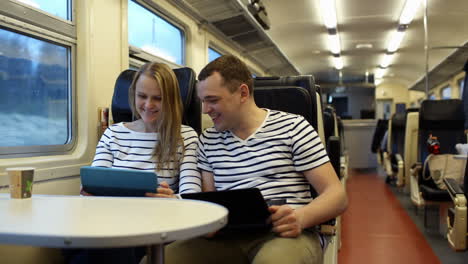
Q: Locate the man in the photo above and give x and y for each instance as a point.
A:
(277, 152)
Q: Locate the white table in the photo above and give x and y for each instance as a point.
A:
(101, 222)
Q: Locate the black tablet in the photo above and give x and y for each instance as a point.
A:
(101, 181)
(248, 211)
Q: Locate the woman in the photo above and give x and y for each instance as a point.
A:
(156, 140)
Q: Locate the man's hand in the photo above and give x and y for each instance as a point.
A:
(286, 221)
(163, 191)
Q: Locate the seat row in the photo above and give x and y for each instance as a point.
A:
(413, 138)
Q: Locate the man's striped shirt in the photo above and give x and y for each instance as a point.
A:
(271, 159)
(123, 148)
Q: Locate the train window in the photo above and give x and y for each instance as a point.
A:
(446, 93)
(154, 34)
(432, 96)
(213, 54)
(58, 8)
(35, 91)
(37, 78)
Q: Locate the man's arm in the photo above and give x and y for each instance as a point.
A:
(331, 202)
(207, 181)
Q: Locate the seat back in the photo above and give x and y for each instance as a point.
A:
(443, 119)
(329, 123)
(121, 111)
(398, 133)
(308, 83)
(380, 129)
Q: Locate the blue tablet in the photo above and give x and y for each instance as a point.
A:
(101, 181)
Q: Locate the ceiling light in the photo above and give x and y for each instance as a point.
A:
(364, 46)
(337, 62)
(395, 41)
(328, 13)
(334, 43)
(409, 10)
(387, 59)
(379, 73)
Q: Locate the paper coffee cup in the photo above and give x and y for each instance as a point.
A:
(21, 182)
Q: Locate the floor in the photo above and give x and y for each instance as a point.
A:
(376, 227)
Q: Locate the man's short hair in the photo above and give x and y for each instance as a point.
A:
(233, 71)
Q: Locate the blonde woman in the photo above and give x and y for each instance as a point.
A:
(156, 140)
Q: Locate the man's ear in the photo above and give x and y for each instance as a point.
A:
(244, 92)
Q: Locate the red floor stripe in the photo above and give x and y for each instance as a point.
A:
(376, 228)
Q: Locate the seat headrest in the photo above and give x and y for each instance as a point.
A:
(186, 77)
(121, 111)
(441, 114)
(305, 81)
(399, 120)
(291, 99)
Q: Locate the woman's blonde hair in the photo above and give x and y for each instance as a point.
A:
(170, 121)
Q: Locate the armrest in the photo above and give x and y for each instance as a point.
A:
(415, 169)
(400, 174)
(453, 187)
(399, 159)
(328, 228)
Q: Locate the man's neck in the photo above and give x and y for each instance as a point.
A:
(250, 121)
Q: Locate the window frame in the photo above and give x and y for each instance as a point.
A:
(64, 34)
(141, 55)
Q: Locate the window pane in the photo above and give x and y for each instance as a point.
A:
(213, 54)
(153, 34)
(55, 7)
(447, 93)
(461, 84)
(432, 97)
(34, 91)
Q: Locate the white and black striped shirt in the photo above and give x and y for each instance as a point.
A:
(123, 148)
(272, 159)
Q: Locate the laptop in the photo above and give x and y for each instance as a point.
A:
(101, 181)
(248, 211)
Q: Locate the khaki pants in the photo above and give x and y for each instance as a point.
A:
(247, 248)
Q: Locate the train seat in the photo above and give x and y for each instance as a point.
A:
(411, 146)
(121, 111)
(332, 139)
(305, 81)
(443, 119)
(395, 145)
(379, 133)
(283, 95)
(457, 224)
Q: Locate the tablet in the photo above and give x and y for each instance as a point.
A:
(101, 181)
(248, 211)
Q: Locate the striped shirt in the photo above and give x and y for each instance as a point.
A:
(123, 148)
(272, 159)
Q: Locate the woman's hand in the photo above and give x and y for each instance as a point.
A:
(286, 221)
(163, 191)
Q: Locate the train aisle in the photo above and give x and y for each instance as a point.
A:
(376, 228)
